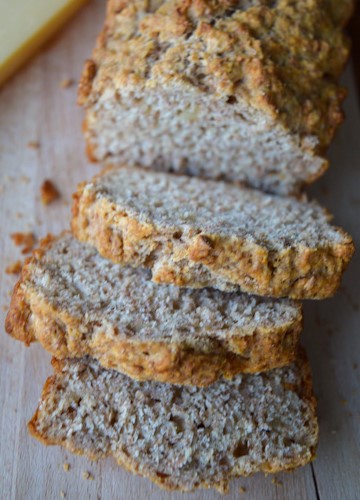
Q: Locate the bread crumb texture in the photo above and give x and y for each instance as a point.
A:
(181, 437)
(198, 233)
(77, 303)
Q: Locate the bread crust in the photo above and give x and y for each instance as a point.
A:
(283, 60)
(201, 260)
(304, 390)
(32, 318)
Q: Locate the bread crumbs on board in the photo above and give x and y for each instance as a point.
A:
(33, 144)
(88, 476)
(14, 268)
(66, 467)
(66, 83)
(49, 192)
(25, 240)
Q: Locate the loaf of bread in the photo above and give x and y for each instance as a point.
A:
(76, 303)
(198, 233)
(241, 90)
(181, 437)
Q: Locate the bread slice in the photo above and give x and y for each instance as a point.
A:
(241, 90)
(76, 303)
(181, 437)
(198, 233)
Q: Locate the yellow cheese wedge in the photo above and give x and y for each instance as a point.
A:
(25, 25)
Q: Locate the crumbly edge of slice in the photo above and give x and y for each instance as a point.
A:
(32, 318)
(303, 389)
(203, 260)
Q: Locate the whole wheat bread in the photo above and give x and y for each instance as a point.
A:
(76, 303)
(181, 437)
(244, 90)
(198, 233)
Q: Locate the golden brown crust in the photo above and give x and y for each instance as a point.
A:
(174, 362)
(282, 59)
(305, 392)
(85, 83)
(209, 259)
(17, 319)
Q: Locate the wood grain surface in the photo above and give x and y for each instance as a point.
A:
(34, 107)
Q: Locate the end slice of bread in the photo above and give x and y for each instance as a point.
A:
(76, 303)
(243, 90)
(198, 233)
(181, 437)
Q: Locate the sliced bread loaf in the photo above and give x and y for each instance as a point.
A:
(76, 303)
(198, 233)
(242, 90)
(181, 437)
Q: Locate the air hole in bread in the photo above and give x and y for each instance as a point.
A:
(241, 450)
(113, 417)
(177, 235)
(288, 442)
(178, 423)
(224, 462)
(231, 99)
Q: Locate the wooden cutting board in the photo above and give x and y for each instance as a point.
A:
(34, 107)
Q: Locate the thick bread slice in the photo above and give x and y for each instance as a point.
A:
(181, 437)
(76, 303)
(198, 233)
(244, 90)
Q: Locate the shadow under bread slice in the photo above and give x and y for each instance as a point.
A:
(77, 303)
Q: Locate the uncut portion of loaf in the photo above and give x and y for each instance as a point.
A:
(244, 90)
(181, 437)
(198, 233)
(76, 303)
